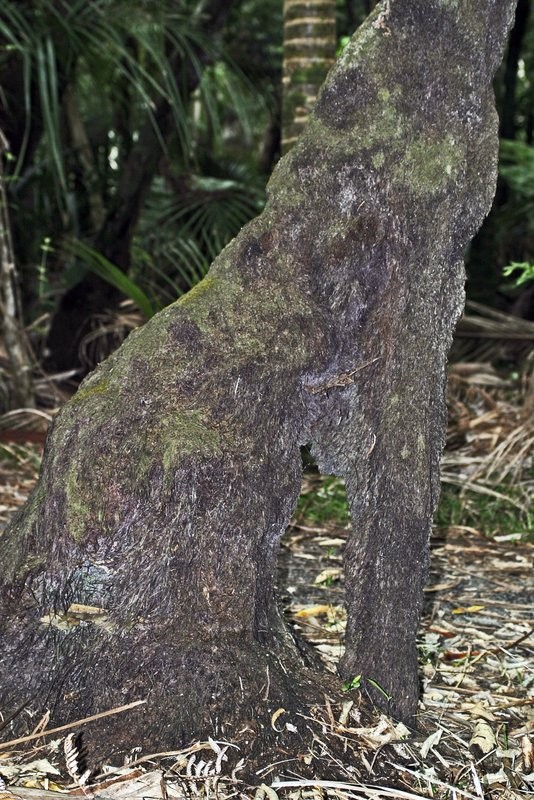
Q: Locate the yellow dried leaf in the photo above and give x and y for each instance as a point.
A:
(467, 609)
(277, 713)
(312, 611)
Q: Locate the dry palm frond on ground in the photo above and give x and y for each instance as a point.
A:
(490, 450)
(486, 334)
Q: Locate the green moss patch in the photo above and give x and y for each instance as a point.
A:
(428, 166)
(186, 434)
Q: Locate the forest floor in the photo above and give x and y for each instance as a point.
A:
(476, 640)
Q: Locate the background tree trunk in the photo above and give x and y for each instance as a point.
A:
(146, 553)
(515, 43)
(20, 389)
(309, 52)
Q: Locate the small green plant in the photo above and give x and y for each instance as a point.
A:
(506, 514)
(429, 647)
(342, 43)
(327, 504)
(15, 456)
(380, 689)
(354, 683)
(522, 271)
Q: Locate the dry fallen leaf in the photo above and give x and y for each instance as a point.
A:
(345, 711)
(483, 739)
(467, 610)
(37, 768)
(312, 611)
(430, 742)
(528, 754)
(478, 710)
(277, 713)
(328, 575)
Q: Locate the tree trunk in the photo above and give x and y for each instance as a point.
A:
(20, 391)
(142, 566)
(309, 52)
(515, 43)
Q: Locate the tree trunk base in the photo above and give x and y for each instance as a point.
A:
(270, 701)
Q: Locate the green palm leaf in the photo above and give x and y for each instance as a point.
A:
(101, 266)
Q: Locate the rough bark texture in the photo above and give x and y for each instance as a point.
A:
(169, 478)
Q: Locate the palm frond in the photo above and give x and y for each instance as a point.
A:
(186, 231)
(101, 266)
(47, 79)
(147, 48)
(486, 334)
(516, 164)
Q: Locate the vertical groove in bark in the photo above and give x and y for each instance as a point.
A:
(309, 52)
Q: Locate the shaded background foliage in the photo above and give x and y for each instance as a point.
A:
(141, 135)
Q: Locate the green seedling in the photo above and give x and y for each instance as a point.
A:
(354, 683)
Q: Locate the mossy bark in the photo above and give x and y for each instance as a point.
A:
(169, 478)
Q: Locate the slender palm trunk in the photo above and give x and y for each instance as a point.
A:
(21, 389)
(309, 52)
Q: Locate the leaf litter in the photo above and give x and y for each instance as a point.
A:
(476, 644)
